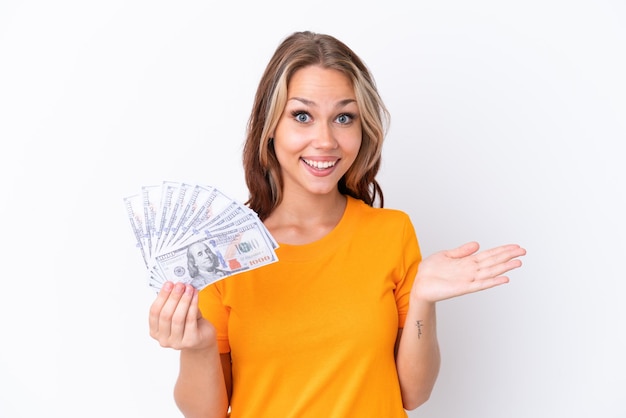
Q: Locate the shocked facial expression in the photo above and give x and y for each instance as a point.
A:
(318, 135)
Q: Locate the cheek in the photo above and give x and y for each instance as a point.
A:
(288, 147)
(352, 144)
(290, 137)
(280, 156)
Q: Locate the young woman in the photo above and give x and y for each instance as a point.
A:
(343, 325)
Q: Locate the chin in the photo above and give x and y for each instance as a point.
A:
(324, 191)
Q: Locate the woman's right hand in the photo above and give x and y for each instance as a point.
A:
(176, 321)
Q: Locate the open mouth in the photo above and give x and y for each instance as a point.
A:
(320, 165)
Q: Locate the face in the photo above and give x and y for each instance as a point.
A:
(318, 135)
(203, 256)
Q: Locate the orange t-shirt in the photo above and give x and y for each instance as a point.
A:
(313, 334)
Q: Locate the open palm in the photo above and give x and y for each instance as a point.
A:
(450, 273)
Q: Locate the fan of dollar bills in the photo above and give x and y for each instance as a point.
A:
(195, 234)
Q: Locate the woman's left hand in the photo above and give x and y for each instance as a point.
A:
(451, 273)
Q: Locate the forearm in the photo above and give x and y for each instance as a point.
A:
(200, 390)
(418, 356)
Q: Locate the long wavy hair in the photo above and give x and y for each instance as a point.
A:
(261, 167)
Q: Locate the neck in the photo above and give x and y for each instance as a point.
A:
(300, 220)
(312, 207)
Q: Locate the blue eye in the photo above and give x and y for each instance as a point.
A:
(301, 116)
(345, 118)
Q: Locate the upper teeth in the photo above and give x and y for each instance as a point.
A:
(320, 164)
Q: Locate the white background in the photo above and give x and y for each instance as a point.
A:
(508, 125)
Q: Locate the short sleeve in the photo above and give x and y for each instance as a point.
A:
(214, 311)
(411, 257)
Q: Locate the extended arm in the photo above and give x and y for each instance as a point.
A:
(441, 276)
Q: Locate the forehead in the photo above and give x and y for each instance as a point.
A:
(316, 81)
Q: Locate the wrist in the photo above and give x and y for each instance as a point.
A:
(205, 351)
(421, 306)
(421, 299)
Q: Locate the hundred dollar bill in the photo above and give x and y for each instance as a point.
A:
(197, 230)
(208, 206)
(199, 194)
(168, 189)
(195, 234)
(183, 192)
(235, 216)
(151, 200)
(136, 216)
(216, 256)
(134, 211)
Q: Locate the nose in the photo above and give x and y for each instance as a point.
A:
(324, 137)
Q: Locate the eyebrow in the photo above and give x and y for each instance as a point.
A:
(308, 102)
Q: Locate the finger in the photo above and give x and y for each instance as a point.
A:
(194, 312)
(464, 250)
(157, 306)
(179, 318)
(167, 313)
(498, 269)
(499, 254)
